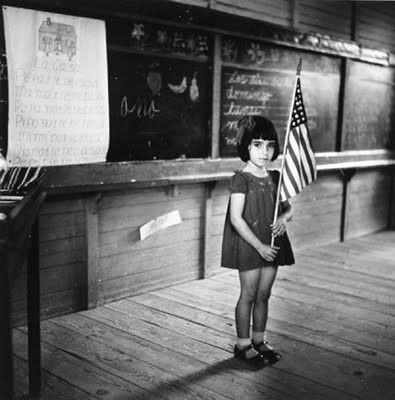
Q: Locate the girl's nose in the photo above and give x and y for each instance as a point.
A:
(264, 149)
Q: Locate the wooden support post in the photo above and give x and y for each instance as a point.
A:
(346, 176)
(294, 14)
(208, 213)
(216, 103)
(92, 249)
(391, 218)
(344, 74)
(33, 312)
(212, 4)
(175, 190)
(355, 11)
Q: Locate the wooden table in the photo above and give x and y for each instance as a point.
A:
(19, 242)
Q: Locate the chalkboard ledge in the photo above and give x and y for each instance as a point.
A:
(112, 176)
(355, 159)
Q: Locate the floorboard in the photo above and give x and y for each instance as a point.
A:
(332, 317)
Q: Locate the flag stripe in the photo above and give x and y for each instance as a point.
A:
(293, 160)
(294, 149)
(306, 164)
(306, 146)
(292, 177)
(304, 171)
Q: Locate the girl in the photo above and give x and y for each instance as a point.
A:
(247, 235)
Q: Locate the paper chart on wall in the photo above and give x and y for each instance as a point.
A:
(58, 88)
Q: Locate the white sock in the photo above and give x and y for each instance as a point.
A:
(258, 337)
(241, 343)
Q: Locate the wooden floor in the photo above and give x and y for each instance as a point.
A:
(332, 318)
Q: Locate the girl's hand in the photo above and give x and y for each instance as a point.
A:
(3, 163)
(268, 253)
(280, 227)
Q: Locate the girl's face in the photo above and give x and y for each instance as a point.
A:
(261, 151)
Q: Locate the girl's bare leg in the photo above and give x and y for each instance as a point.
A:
(260, 314)
(249, 282)
(261, 301)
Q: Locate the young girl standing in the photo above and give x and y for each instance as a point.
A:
(248, 232)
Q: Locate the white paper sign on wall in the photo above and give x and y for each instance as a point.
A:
(161, 222)
(58, 88)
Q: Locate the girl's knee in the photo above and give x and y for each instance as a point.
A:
(248, 296)
(262, 296)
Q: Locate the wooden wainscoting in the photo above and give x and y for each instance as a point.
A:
(128, 265)
(91, 252)
(62, 260)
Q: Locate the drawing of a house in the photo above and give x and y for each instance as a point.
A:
(57, 38)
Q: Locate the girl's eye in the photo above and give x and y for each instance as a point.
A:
(271, 145)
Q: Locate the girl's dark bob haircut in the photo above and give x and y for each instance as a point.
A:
(261, 128)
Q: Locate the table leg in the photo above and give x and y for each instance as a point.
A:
(6, 362)
(33, 308)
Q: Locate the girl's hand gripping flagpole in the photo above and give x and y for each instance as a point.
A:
(298, 70)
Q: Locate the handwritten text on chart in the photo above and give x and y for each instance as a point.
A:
(53, 104)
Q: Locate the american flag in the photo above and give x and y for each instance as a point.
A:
(299, 163)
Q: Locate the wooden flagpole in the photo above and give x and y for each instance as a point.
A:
(298, 70)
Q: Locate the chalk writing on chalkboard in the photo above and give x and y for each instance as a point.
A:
(243, 93)
(154, 38)
(158, 108)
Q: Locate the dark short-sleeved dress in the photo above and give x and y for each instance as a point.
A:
(258, 213)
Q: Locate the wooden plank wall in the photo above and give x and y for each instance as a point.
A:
(63, 261)
(128, 265)
(368, 208)
(318, 212)
(325, 18)
(278, 12)
(375, 25)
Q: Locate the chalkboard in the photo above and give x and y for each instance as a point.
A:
(369, 107)
(158, 108)
(3, 92)
(258, 79)
(3, 103)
